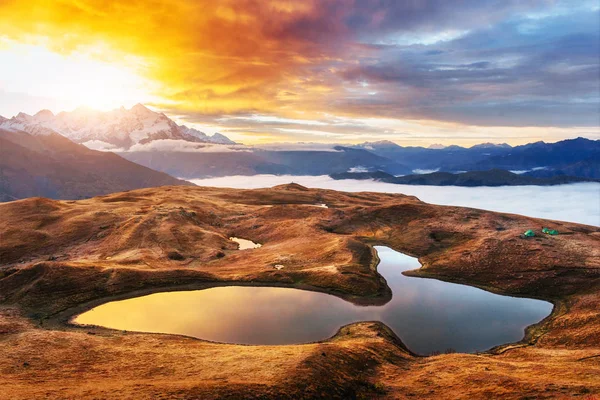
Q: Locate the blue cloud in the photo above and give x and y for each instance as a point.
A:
(541, 70)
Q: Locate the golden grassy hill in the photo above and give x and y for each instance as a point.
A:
(61, 257)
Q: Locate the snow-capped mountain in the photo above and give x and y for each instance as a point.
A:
(436, 146)
(120, 128)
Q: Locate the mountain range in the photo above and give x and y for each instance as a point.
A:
(190, 165)
(545, 159)
(492, 177)
(53, 156)
(574, 157)
(111, 130)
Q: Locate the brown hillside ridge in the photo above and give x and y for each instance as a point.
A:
(59, 258)
(53, 166)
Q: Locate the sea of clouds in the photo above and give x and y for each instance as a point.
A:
(578, 202)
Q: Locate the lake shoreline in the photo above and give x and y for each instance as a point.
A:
(278, 316)
(91, 250)
(64, 319)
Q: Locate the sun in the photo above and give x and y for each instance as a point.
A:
(67, 81)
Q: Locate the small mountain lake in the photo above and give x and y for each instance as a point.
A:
(428, 315)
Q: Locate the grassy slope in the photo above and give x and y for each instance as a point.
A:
(53, 166)
(58, 255)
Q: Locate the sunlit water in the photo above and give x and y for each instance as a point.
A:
(245, 244)
(576, 202)
(427, 314)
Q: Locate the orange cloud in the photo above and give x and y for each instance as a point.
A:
(429, 60)
(208, 56)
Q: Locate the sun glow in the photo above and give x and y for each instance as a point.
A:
(78, 79)
(265, 71)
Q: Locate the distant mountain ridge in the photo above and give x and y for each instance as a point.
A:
(575, 157)
(438, 158)
(192, 165)
(120, 128)
(494, 177)
(52, 166)
(563, 155)
(154, 140)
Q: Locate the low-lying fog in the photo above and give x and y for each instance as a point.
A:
(577, 202)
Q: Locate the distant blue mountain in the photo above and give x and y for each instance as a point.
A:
(493, 177)
(573, 157)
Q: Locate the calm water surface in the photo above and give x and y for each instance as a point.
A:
(245, 244)
(427, 314)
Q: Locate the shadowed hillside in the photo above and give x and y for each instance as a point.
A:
(50, 165)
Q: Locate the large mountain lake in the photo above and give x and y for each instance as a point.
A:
(427, 314)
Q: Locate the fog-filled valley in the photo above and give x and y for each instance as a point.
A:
(577, 202)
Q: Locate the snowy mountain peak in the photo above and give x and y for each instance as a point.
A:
(119, 128)
(23, 117)
(43, 115)
(140, 109)
(378, 144)
(220, 138)
(436, 146)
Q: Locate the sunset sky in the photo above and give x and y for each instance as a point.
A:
(415, 72)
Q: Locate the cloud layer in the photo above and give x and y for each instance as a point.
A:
(581, 197)
(477, 63)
